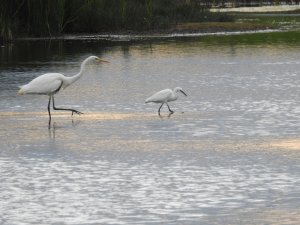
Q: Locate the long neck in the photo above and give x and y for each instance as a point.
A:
(74, 78)
(174, 95)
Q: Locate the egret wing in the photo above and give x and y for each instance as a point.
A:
(48, 83)
(161, 96)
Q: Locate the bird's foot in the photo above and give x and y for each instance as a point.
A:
(77, 112)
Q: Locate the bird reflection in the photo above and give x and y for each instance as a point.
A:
(51, 132)
(75, 123)
(166, 116)
(55, 126)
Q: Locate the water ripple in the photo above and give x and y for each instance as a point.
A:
(122, 192)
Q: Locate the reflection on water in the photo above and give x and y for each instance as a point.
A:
(229, 154)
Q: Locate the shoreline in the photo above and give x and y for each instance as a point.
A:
(155, 35)
(259, 9)
(244, 22)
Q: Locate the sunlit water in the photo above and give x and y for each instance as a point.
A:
(228, 155)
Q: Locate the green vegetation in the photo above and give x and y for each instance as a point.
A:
(287, 38)
(271, 17)
(245, 21)
(55, 17)
(284, 20)
(220, 27)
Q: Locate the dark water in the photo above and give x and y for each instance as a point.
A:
(228, 155)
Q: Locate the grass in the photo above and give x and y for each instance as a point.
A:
(221, 26)
(289, 37)
(275, 20)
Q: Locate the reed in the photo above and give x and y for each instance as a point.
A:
(54, 17)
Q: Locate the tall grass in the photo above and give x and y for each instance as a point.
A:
(8, 10)
(54, 17)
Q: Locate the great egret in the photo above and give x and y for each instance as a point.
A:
(51, 83)
(165, 96)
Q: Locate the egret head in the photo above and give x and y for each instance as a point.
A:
(97, 59)
(179, 89)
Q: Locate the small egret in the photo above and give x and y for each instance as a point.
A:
(165, 96)
(51, 83)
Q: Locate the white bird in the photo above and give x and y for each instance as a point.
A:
(165, 96)
(51, 83)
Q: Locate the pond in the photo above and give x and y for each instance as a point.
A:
(229, 154)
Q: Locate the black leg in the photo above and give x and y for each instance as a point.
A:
(72, 110)
(160, 108)
(171, 111)
(49, 112)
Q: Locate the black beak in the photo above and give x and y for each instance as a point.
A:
(183, 92)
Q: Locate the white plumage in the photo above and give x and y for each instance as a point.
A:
(165, 96)
(45, 84)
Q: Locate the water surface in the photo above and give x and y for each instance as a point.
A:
(229, 154)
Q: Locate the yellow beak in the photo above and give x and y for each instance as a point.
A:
(102, 60)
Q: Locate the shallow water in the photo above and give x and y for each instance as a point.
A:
(229, 154)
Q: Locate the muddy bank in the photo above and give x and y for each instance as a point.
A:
(177, 31)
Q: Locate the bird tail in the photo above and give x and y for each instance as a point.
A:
(21, 91)
(147, 100)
